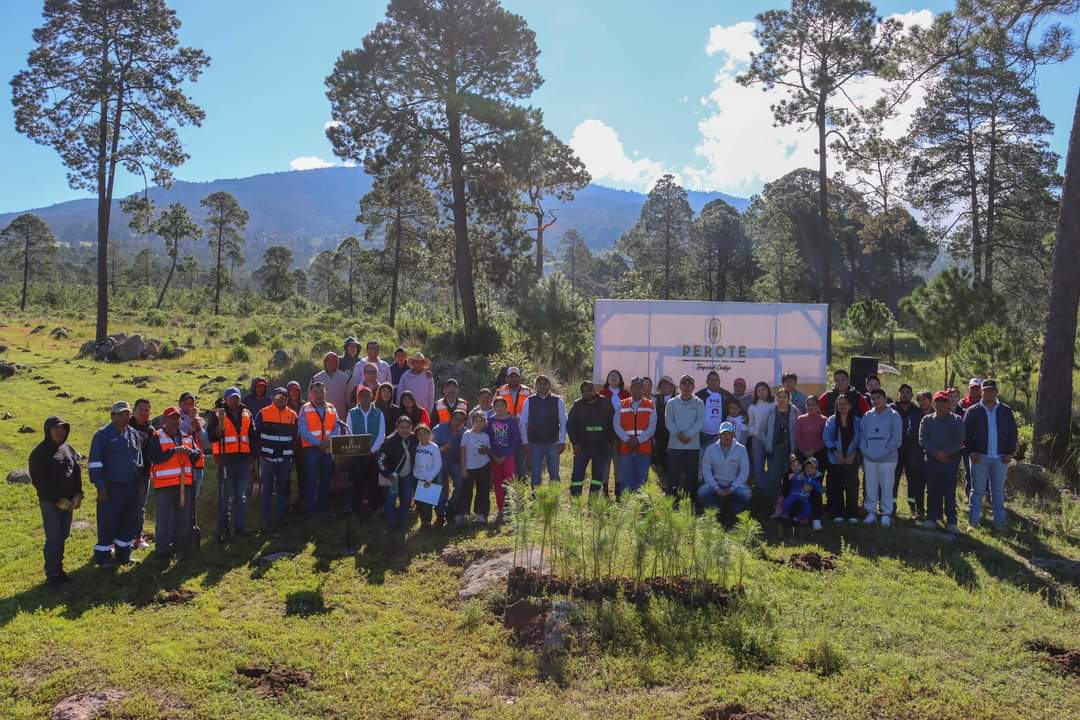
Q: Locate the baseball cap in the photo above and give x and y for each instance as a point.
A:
(989, 384)
(278, 391)
(120, 406)
(187, 396)
(636, 380)
(513, 371)
(726, 427)
(232, 392)
(739, 380)
(317, 383)
(170, 411)
(941, 395)
(975, 382)
(686, 377)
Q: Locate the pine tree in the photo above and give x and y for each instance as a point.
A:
(658, 243)
(225, 223)
(29, 244)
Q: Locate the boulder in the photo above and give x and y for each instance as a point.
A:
(1028, 479)
(152, 349)
(38, 329)
(3, 347)
(59, 333)
(280, 359)
(8, 369)
(26, 429)
(130, 349)
(18, 477)
(7, 415)
(557, 629)
(492, 572)
(86, 705)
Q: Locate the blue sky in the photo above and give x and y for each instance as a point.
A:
(638, 87)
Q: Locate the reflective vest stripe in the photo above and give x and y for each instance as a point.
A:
(276, 438)
(171, 472)
(95, 464)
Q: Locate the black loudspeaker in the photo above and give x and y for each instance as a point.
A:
(861, 367)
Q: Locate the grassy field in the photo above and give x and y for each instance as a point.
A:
(909, 625)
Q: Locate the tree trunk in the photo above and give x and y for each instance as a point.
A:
(26, 271)
(397, 266)
(823, 214)
(1054, 397)
(991, 208)
(217, 272)
(976, 230)
(168, 279)
(463, 259)
(539, 245)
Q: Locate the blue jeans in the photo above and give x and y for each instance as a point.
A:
(275, 482)
(318, 471)
(598, 457)
(739, 499)
(539, 455)
(994, 471)
(399, 497)
(797, 507)
(633, 471)
(232, 496)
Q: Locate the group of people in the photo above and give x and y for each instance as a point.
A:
(711, 446)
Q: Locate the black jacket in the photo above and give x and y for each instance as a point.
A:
(391, 456)
(54, 469)
(590, 424)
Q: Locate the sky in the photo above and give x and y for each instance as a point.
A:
(637, 87)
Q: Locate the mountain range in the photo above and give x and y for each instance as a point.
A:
(311, 210)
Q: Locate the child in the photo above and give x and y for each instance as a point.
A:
(427, 469)
(797, 504)
(794, 468)
(737, 417)
(505, 438)
(475, 461)
(484, 399)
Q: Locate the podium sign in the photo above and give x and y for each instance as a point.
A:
(350, 445)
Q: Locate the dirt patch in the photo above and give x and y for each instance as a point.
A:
(1066, 661)
(691, 591)
(86, 705)
(812, 561)
(80, 399)
(526, 619)
(732, 711)
(275, 682)
(174, 597)
(462, 555)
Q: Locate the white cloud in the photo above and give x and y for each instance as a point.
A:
(604, 156)
(733, 42)
(309, 162)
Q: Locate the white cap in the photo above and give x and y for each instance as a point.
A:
(513, 371)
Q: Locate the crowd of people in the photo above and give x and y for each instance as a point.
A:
(714, 447)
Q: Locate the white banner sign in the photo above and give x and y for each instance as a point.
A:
(754, 341)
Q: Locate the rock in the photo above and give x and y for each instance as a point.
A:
(492, 572)
(66, 395)
(152, 349)
(3, 348)
(59, 333)
(87, 348)
(86, 705)
(1028, 479)
(7, 415)
(142, 379)
(130, 349)
(280, 359)
(38, 329)
(557, 629)
(18, 477)
(80, 399)
(271, 558)
(26, 429)
(8, 369)
(219, 378)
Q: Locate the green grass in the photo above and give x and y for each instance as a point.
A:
(909, 626)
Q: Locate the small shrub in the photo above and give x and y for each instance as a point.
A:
(751, 635)
(156, 318)
(823, 658)
(168, 350)
(302, 370)
(487, 341)
(251, 338)
(414, 329)
(276, 343)
(239, 353)
(325, 344)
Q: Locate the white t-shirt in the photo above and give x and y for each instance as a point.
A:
(472, 442)
(714, 412)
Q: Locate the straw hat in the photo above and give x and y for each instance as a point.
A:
(418, 357)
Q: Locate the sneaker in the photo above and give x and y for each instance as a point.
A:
(480, 519)
(929, 525)
(886, 521)
(853, 520)
(953, 530)
(816, 524)
(869, 519)
(838, 519)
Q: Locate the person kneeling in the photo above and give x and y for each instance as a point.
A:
(799, 490)
(725, 466)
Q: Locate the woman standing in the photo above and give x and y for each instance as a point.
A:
(384, 400)
(782, 446)
(665, 390)
(810, 433)
(396, 459)
(761, 414)
(615, 392)
(842, 441)
(410, 409)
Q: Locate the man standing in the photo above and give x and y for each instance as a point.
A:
(448, 437)
(974, 394)
(55, 473)
(798, 398)
(318, 423)
(419, 382)
(336, 383)
(383, 366)
(589, 427)
(842, 386)
(990, 436)
(684, 417)
(257, 397)
(350, 355)
(399, 367)
(366, 419)
(635, 428)
(172, 454)
(275, 437)
(543, 430)
(140, 422)
(915, 455)
(191, 423)
(879, 440)
(725, 468)
(941, 436)
(229, 429)
(716, 401)
(515, 394)
(745, 399)
(450, 403)
(116, 467)
(910, 416)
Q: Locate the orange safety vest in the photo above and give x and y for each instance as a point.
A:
(320, 428)
(443, 412)
(175, 470)
(232, 441)
(523, 393)
(634, 423)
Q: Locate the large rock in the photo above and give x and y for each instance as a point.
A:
(3, 347)
(152, 349)
(86, 705)
(492, 572)
(8, 369)
(18, 476)
(1028, 479)
(130, 349)
(58, 333)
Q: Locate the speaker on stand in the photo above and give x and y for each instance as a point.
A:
(861, 368)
